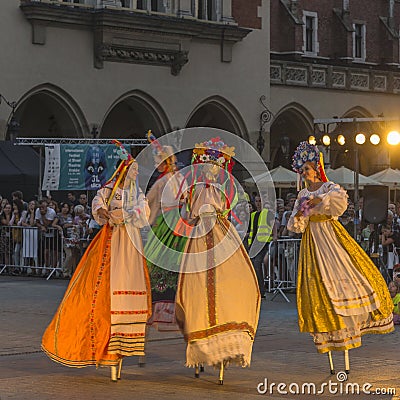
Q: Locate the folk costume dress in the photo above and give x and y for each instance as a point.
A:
(164, 248)
(103, 314)
(217, 300)
(341, 295)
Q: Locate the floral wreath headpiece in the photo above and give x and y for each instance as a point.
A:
(119, 173)
(162, 153)
(213, 151)
(308, 152)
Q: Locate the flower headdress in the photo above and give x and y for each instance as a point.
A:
(214, 151)
(308, 152)
(126, 161)
(162, 153)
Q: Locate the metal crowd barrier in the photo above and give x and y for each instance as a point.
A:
(28, 248)
(281, 276)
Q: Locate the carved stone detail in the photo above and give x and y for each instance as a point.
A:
(175, 59)
(296, 75)
(380, 82)
(275, 73)
(318, 77)
(396, 84)
(338, 79)
(359, 81)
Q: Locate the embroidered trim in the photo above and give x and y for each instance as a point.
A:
(229, 326)
(128, 335)
(130, 292)
(129, 312)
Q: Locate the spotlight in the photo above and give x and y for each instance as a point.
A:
(326, 140)
(312, 140)
(341, 140)
(360, 138)
(375, 139)
(393, 138)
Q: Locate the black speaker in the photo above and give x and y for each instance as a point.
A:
(376, 201)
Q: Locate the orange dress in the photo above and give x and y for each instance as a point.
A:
(103, 314)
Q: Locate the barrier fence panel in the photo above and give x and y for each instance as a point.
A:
(283, 256)
(28, 250)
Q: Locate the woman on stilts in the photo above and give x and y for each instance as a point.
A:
(164, 248)
(341, 295)
(102, 317)
(217, 300)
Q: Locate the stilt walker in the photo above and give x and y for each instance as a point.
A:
(341, 295)
(164, 247)
(102, 317)
(217, 300)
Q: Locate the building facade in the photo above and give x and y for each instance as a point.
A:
(111, 68)
(335, 58)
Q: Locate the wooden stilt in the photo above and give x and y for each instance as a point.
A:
(221, 374)
(114, 373)
(197, 371)
(346, 361)
(119, 368)
(331, 363)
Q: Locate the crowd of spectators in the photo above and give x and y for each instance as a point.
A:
(44, 233)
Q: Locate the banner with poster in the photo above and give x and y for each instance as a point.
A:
(78, 166)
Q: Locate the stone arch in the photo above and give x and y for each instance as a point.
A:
(217, 112)
(48, 111)
(294, 122)
(132, 115)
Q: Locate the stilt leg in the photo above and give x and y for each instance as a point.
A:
(201, 368)
(346, 361)
(119, 368)
(221, 374)
(331, 363)
(142, 361)
(197, 371)
(114, 373)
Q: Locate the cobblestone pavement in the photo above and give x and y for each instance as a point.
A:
(281, 355)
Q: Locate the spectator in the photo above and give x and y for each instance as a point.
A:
(70, 232)
(30, 237)
(19, 195)
(83, 201)
(16, 234)
(388, 240)
(71, 198)
(54, 205)
(80, 220)
(5, 237)
(394, 290)
(44, 217)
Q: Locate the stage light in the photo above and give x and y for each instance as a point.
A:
(341, 140)
(375, 139)
(360, 138)
(312, 140)
(393, 138)
(326, 140)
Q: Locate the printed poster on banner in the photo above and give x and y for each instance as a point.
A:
(78, 167)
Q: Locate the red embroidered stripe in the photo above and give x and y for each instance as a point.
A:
(128, 334)
(130, 292)
(129, 312)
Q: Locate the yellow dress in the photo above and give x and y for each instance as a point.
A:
(103, 314)
(217, 300)
(341, 295)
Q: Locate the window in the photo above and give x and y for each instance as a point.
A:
(152, 5)
(359, 41)
(310, 33)
(209, 10)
